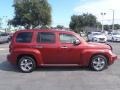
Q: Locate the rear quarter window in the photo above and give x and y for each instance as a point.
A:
(24, 37)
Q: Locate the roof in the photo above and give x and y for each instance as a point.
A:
(46, 30)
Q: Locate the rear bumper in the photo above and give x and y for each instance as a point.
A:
(12, 59)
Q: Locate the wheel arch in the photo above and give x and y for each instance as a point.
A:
(99, 54)
(21, 55)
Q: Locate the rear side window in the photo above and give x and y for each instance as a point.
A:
(24, 37)
(46, 37)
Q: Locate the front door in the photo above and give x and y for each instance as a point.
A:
(68, 52)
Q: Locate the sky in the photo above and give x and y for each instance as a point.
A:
(62, 10)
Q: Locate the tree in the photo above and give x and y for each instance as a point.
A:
(116, 26)
(109, 27)
(106, 27)
(32, 13)
(59, 26)
(80, 21)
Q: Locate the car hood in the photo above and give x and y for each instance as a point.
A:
(98, 45)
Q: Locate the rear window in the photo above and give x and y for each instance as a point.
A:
(46, 37)
(24, 37)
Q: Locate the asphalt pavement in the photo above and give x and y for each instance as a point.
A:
(59, 78)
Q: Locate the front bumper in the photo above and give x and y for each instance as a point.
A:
(112, 59)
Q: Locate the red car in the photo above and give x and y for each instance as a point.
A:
(32, 48)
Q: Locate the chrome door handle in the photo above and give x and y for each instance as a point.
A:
(64, 47)
(37, 46)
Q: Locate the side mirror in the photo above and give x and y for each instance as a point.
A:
(76, 42)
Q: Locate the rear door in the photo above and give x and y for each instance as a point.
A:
(47, 45)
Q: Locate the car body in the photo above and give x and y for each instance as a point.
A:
(97, 37)
(34, 48)
(114, 36)
(4, 37)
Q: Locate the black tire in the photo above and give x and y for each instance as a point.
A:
(98, 63)
(26, 64)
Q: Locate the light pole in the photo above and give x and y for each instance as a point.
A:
(102, 20)
(113, 18)
(113, 21)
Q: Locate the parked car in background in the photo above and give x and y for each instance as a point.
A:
(33, 48)
(4, 37)
(114, 36)
(97, 37)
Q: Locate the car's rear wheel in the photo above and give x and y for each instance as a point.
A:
(26, 64)
(98, 62)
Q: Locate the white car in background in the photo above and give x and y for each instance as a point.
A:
(114, 36)
(97, 37)
(4, 37)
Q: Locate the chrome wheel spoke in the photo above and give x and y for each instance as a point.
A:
(102, 62)
(28, 67)
(98, 59)
(30, 63)
(95, 63)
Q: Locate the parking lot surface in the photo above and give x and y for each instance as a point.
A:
(59, 78)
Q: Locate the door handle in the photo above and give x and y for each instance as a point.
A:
(64, 47)
(37, 46)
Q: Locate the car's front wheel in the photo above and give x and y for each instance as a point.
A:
(26, 64)
(98, 62)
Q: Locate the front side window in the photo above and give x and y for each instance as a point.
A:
(67, 38)
(24, 37)
(46, 37)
